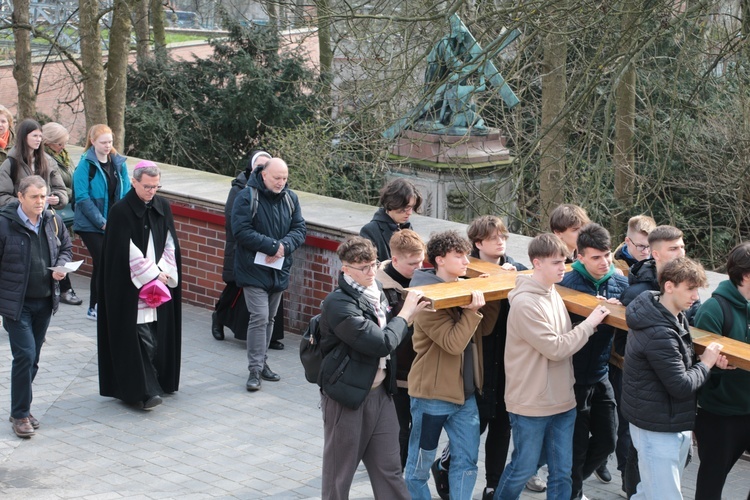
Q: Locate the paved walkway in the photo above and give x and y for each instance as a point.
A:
(212, 439)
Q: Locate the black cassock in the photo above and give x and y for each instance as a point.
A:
(122, 367)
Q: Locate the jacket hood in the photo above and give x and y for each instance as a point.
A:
(425, 277)
(727, 290)
(241, 180)
(10, 211)
(525, 283)
(643, 272)
(256, 181)
(645, 312)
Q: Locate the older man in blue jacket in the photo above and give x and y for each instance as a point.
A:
(268, 226)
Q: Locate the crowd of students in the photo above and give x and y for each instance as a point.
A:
(569, 390)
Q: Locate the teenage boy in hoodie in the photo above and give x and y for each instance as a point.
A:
(661, 378)
(596, 424)
(539, 373)
(407, 255)
(446, 373)
(488, 236)
(722, 426)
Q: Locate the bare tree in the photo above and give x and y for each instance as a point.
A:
(158, 23)
(117, 70)
(22, 68)
(94, 102)
(142, 31)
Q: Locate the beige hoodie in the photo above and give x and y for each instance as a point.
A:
(538, 353)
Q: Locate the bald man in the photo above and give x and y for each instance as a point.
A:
(268, 227)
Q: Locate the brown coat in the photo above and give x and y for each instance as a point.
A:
(439, 340)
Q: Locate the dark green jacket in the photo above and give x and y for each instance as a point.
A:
(728, 391)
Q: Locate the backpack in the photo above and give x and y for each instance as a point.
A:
(726, 311)
(310, 353)
(254, 201)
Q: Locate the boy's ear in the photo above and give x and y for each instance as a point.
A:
(669, 287)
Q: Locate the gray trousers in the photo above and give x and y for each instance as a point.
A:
(262, 307)
(368, 434)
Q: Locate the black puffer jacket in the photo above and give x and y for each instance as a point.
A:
(273, 225)
(352, 343)
(238, 184)
(15, 252)
(379, 230)
(660, 379)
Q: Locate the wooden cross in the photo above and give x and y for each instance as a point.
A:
(499, 282)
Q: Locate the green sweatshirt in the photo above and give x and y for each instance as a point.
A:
(727, 392)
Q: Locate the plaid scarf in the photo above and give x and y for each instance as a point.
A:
(372, 295)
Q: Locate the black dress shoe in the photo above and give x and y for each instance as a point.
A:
(276, 345)
(151, 402)
(268, 374)
(253, 381)
(217, 329)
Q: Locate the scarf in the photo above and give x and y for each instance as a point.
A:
(5, 139)
(62, 158)
(578, 266)
(372, 295)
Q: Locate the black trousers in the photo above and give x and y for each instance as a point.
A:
(721, 442)
(595, 431)
(149, 346)
(402, 402)
(94, 243)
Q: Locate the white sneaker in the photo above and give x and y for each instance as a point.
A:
(91, 314)
(536, 483)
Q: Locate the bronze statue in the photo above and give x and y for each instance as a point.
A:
(457, 69)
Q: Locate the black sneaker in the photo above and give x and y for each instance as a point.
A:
(602, 474)
(441, 480)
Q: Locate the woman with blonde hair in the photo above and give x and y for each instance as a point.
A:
(55, 138)
(27, 158)
(100, 179)
(6, 132)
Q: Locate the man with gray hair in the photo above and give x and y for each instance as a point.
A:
(139, 328)
(268, 227)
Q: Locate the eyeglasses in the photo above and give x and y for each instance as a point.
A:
(365, 269)
(642, 248)
(406, 210)
(151, 188)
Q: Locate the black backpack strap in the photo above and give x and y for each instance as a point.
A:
(726, 311)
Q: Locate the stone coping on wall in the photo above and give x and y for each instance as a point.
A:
(334, 217)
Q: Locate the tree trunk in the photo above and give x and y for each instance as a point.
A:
(554, 127)
(142, 32)
(273, 16)
(160, 35)
(117, 71)
(623, 160)
(94, 104)
(323, 8)
(22, 69)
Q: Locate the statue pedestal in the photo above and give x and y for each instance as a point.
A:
(454, 149)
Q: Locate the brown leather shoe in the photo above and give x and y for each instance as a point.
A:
(22, 427)
(33, 421)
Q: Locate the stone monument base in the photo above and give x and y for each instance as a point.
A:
(452, 149)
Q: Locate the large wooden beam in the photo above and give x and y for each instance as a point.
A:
(497, 286)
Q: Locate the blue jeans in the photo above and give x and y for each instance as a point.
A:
(461, 423)
(536, 439)
(661, 461)
(26, 338)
